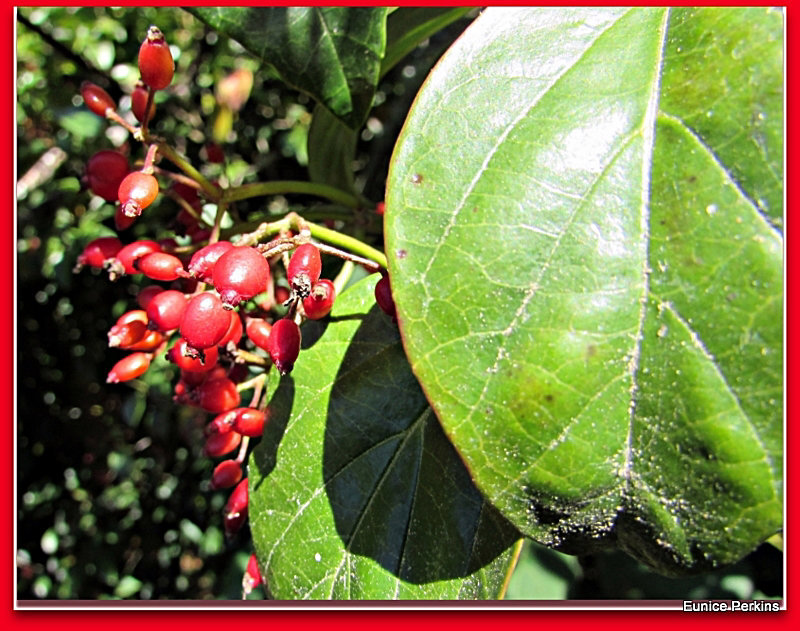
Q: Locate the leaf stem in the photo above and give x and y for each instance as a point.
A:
(214, 193)
(282, 187)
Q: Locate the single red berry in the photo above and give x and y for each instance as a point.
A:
(121, 220)
(201, 265)
(319, 302)
(380, 208)
(97, 252)
(258, 330)
(252, 576)
(234, 332)
(139, 102)
(96, 98)
(129, 367)
(146, 294)
(155, 60)
(136, 192)
(165, 311)
(183, 357)
(250, 421)
(304, 268)
(123, 335)
(221, 444)
(239, 274)
(281, 295)
(105, 171)
(226, 474)
(126, 257)
(160, 266)
(215, 153)
(218, 395)
(222, 423)
(205, 322)
(383, 296)
(150, 342)
(284, 345)
(236, 509)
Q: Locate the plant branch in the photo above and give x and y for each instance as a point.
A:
(283, 187)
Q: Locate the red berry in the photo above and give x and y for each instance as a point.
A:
(105, 171)
(281, 295)
(215, 153)
(250, 421)
(236, 509)
(284, 345)
(96, 98)
(129, 368)
(205, 322)
(383, 296)
(380, 208)
(128, 255)
(258, 330)
(221, 444)
(252, 576)
(201, 265)
(188, 362)
(160, 266)
(319, 302)
(155, 60)
(146, 294)
(98, 251)
(218, 395)
(165, 311)
(136, 192)
(139, 102)
(123, 335)
(304, 268)
(239, 274)
(121, 220)
(149, 343)
(226, 474)
(234, 332)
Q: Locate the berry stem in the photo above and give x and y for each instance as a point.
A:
(363, 254)
(281, 187)
(243, 449)
(214, 237)
(149, 159)
(150, 97)
(213, 192)
(116, 118)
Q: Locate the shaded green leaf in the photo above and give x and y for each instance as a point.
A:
(331, 53)
(355, 493)
(587, 291)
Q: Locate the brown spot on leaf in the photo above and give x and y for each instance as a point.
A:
(417, 178)
(401, 254)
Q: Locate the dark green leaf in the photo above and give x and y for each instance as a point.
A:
(331, 53)
(331, 151)
(354, 490)
(587, 289)
(406, 27)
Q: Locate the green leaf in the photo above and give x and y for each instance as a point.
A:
(406, 27)
(331, 151)
(587, 289)
(355, 493)
(332, 54)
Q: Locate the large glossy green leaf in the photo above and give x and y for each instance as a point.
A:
(331, 53)
(588, 287)
(355, 492)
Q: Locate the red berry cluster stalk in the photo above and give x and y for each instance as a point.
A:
(222, 312)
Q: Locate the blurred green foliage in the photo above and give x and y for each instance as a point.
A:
(112, 487)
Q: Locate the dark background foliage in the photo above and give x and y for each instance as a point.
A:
(112, 488)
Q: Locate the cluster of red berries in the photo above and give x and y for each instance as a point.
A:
(213, 310)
